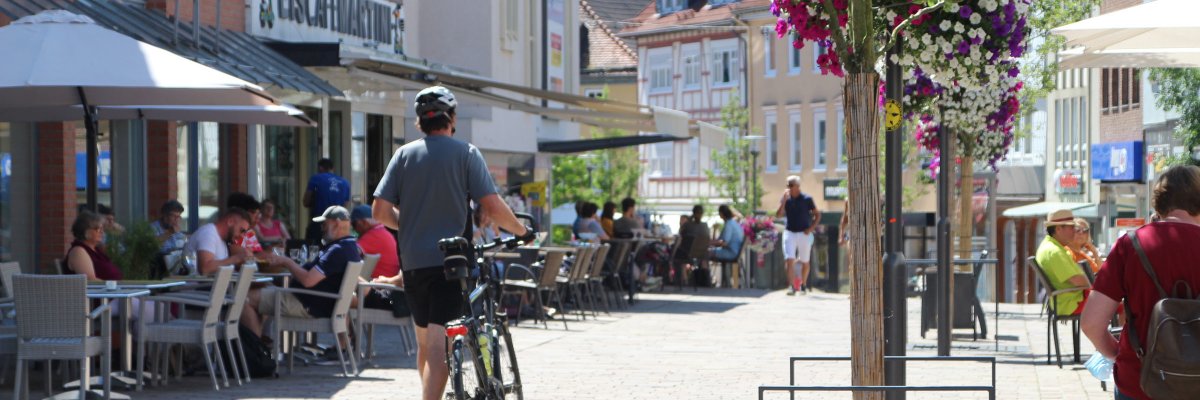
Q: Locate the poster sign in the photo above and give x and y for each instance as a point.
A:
(1118, 162)
(535, 193)
(372, 24)
(556, 60)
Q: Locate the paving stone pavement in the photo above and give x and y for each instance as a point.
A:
(711, 344)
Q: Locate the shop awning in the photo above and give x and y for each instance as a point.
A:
(1039, 210)
(582, 145)
(417, 74)
(240, 54)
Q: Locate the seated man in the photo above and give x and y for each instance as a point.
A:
(623, 228)
(323, 274)
(727, 247)
(210, 242)
(1059, 266)
(166, 228)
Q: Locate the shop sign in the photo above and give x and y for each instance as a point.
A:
(1068, 181)
(373, 24)
(835, 189)
(1118, 162)
(1128, 222)
(535, 193)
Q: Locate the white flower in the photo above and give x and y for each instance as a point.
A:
(891, 15)
(989, 5)
(952, 7)
(927, 40)
(945, 25)
(975, 18)
(946, 47)
(975, 54)
(914, 44)
(958, 27)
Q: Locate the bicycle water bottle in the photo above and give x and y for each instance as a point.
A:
(485, 349)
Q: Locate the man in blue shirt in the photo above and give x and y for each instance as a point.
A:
(325, 189)
(727, 247)
(802, 218)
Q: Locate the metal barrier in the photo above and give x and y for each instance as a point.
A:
(792, 388)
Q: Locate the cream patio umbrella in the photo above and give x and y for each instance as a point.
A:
(63, 66)
(1160, 33)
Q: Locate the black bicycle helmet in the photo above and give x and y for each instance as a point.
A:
(434, 101)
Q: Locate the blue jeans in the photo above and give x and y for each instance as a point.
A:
(724, 254)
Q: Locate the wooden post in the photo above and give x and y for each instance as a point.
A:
(866, 289)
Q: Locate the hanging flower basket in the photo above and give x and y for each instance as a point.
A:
(761, 234)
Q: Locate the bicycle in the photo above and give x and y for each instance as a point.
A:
(480, 343)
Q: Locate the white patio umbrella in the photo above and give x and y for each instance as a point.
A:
(1161, 33)
(57, 59)
(282, 115)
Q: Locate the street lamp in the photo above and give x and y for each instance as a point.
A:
(754, 169)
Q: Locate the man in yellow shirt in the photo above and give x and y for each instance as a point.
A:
(1058, 264)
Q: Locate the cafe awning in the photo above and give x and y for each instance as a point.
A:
(582, 145)
(1039, 210)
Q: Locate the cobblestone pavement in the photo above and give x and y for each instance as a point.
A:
(711, 344)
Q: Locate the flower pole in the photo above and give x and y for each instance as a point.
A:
(962, 49)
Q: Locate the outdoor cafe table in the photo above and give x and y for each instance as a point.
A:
(127, 294)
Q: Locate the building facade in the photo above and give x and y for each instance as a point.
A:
(691, 58)
(353, 70)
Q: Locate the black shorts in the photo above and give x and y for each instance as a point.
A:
(432, 299)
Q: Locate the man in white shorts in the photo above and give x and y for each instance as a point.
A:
(802, 218)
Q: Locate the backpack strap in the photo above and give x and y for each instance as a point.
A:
(1133, 335)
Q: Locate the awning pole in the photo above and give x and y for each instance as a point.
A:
(89, 121)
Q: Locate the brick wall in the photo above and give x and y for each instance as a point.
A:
(162, 160)
(233, 12)
(1121, 126)
(55, 190)
(1108, 6)
(233, 159)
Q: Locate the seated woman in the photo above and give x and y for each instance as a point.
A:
(85, 257)
(271, 231)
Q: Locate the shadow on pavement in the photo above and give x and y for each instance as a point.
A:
(660, 306)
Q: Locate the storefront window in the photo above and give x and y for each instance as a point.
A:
(199, 171)
(17, 219)
(379, 150)
(6, 173)
(291, 158)
(358, 167)
(104, 166)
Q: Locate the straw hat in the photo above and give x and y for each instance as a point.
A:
(1060, 218)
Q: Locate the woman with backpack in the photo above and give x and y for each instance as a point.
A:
(1154, 271)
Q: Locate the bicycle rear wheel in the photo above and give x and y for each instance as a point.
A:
(504, 355)
(464, 380)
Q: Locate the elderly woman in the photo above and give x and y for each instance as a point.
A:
(1082, 247)
(85, 257)
(1170, 247)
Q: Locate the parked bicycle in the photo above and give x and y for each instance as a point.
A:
(480, 352)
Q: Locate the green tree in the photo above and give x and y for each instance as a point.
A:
(1177, 92)
(734, 170)
(597, 176)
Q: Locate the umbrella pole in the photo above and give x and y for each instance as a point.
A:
(89, 121)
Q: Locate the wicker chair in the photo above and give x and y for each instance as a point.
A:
(595, 279)
(337, 323)
(577, 277)
(55, 325)
(201, 332)
(546, 282)
(1053, 317)
(365, 319)
(369, 263)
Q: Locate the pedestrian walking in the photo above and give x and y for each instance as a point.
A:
(424, 195)
(802, 217)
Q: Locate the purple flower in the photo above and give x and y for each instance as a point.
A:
(774, 8)
(1013, 72)
(964, 47)
(965, 11)
(977, 40)
(950, 55)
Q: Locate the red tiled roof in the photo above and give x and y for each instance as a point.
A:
(605, 49)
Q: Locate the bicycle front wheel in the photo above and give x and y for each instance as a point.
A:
(504, 356)
(464, 380)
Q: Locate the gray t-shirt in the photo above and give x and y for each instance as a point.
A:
(429, 180)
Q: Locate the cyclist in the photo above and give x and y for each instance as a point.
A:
(423, 195)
